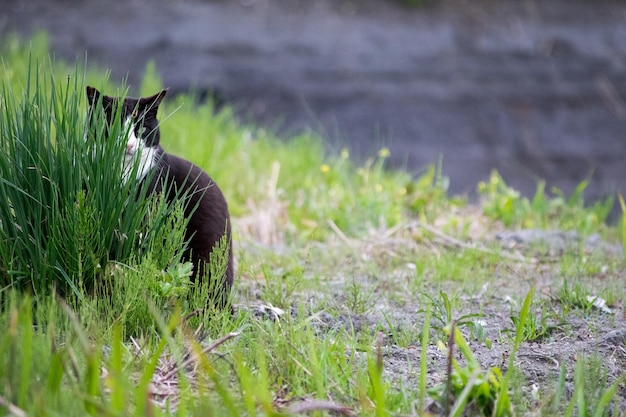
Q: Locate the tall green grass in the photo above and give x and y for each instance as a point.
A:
(66, 214)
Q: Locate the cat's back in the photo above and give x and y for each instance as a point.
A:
(186, 175)
(209, 219)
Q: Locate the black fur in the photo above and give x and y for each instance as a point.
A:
(210, 221)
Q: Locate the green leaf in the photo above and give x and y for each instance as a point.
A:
(55, 372)
(607, 397)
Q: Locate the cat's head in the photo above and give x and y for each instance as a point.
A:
(138, 118)
(138, 115)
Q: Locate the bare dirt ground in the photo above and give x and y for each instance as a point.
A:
(385, 271)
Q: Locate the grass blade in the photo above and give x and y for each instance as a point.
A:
(425, 340)
(607, 397)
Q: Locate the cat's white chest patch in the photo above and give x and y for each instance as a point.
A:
(136, 153)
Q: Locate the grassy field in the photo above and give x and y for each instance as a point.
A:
(359, 290)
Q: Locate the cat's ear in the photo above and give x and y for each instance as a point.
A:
(151, 104)
(93, 95)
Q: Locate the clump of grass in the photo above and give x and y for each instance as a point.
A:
(481, 392)
(442, 311)
(574, 295)
(359, 299)
(69, 224)
(592, 395)
(502, 202)
(66, 213)
(280, 288)
(537, 326)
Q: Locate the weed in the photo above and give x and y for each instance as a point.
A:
(442, 312)
(471, 388)
(359, 300)
(508, 205)
(400, 335)
(429, 192)
(536, 326)
(423, 360)
(592, 395)
(377, 387)
(279, 289)
(574, 296)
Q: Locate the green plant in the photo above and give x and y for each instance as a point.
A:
(423, 360)
(503, 404)
(536, 326)
(279, 289)
(591, 395)
(574, 296)
(400, 335)
(502, 202)
(429, 192)
(485, 392)
(472, 389)
(359, 300)
(442, 312)
(377, 387)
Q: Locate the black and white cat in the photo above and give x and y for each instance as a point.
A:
(210, 221)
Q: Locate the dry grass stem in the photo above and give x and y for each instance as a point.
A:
(307, 405)
(345, 239)
(187, 362)
(13, 409)
(449, 240)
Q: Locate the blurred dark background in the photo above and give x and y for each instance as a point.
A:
(535, 89)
